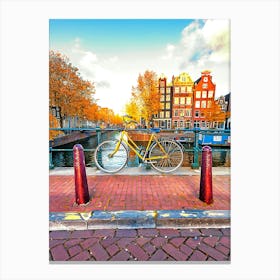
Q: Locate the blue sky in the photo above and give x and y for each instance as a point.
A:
(112, 52)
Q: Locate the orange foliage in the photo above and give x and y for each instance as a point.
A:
(146, 94)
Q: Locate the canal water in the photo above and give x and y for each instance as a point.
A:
(220, 156)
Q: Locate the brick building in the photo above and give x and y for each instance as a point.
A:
(203, 98)
(164, 116)
(182, 101)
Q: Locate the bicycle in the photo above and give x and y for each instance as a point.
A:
(164, 155)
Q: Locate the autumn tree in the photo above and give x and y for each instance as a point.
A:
(69, 94)
(146, 95)
(133, 109)
(215, 114)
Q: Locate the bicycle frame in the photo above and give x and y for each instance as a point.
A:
(133, 146)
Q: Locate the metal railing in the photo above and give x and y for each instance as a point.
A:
(196, 149)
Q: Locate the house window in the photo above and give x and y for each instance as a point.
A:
(210, 93)
(197, 94)
(167, 114)
(176, 123)
(188, 124)
(196, 124)
(182, 100)
(204, 94)
(209, 104)
(196, 114)
(167, 105)
(181, 123)
(189, 101)
(162, 84)
(189, 89)
(181, 113)
(176, 100)
(177, 89)
(188, 113)
(176, 113)
(161, 115)
(203, 104)
(197, 104)
(183, 89)
(162, 98)
(168, 90)
(162, 90)
(204, 85)
(203, 124)
(168, 97)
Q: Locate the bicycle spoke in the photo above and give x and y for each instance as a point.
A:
(174, 153)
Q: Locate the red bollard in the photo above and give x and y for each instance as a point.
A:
(81, 186)
(206, 193)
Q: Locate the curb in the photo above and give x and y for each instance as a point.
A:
(131, 219)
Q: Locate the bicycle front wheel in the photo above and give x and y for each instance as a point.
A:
(173, 160)
(106, 161)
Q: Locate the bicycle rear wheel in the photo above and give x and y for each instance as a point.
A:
(107, 163)
(174, 156)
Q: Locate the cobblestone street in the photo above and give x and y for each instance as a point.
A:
(167, 244)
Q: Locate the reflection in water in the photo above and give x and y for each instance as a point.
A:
(65, 159)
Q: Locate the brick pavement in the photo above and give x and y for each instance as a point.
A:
(167, 244)
(123, 192)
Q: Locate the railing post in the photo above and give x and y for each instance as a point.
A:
(98, 135)
(205, 192)
(81, 186)
(195, 164)
(51, 165)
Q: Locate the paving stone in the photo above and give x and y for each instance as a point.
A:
(126, 233)
(82, 234)
(112, 249)
(121, 256)
(123, 242)
(174, 252)
(148, 232)
(211, 241)
(74, 250)
(197, 256)
(142, 240)
(225, 240)
(186, 250)
(149, 248)
(193, 242)
(60, 234)
(159, 255)
(137, 252)
(108, 241)
(158, 241)
(98, 252)
(177, 241)
(226, 231)
(211, 231)
(169, 232)
(72, 242)
(55, 242)
(59, 253)
(83, 256)
(190, 232)
(212, 252)
(89, 242)
(223, 249)
(104, 233)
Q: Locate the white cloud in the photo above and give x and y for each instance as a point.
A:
(205, 45)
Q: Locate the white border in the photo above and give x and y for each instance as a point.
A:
(24, 160)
